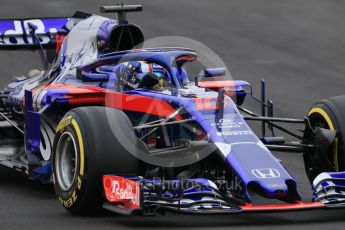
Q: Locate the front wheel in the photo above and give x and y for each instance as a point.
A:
(328, 114)
(85, 148)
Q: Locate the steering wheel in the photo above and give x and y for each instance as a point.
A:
(149, 81)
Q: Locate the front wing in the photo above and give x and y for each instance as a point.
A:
(133, 195)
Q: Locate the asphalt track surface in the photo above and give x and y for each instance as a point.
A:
(297, 46)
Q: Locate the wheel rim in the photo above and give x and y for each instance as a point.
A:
(332, 156)
(66, 161)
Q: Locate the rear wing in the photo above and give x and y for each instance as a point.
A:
(16, 34)
(43, 34)
(36, 33)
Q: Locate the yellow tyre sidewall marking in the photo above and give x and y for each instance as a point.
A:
(81, 146)
(62, 125)
(331, 127)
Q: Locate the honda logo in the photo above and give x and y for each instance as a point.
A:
(266, 173)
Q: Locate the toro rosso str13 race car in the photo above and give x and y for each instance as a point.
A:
(119, 127)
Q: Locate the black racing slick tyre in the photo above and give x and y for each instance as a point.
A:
(86, 148)
(328, 114)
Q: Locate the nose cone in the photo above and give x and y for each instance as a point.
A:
(260, 170)
(269, 190)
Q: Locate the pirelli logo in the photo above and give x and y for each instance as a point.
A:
(64, 123)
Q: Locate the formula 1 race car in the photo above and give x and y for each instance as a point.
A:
(128, 129)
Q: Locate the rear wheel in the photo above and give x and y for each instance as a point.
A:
(85, 148)
(328, 114)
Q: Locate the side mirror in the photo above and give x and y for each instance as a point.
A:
(212, 75)
(217, 84)
(92, 77)
(214, 72)
(229, 85)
